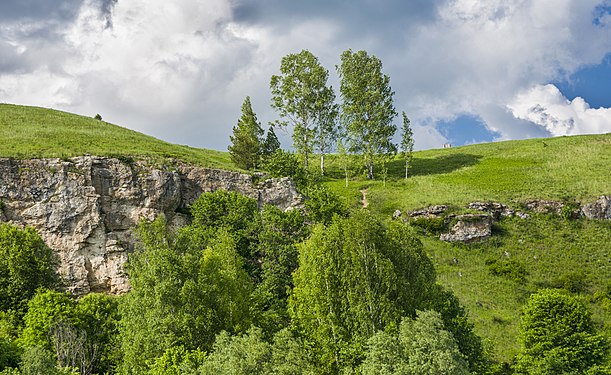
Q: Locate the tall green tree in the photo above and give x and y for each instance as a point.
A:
(558, 336)
(79, 334)
(26, 264)
(367, 108)
(186, 288)
(246, 142)
(407, 143)
(304, 101)
(355, 277)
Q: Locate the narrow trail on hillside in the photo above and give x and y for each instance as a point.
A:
(364, 200)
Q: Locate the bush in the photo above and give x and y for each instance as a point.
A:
(431, 225)
(574, 282)
(322, 204)
(26, 264)
(558, 336)
(509, 268)
(286, 164)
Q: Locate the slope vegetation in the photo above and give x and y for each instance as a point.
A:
(32, 132)
(511, 172)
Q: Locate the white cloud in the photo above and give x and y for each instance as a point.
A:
(180, 70)
(545, 105)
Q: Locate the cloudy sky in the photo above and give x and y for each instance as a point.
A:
(465, 71)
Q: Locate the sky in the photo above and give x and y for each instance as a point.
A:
(464, 71)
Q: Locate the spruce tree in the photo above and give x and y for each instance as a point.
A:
(271, 143)
(246, 144)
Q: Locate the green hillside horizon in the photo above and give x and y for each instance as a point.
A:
(35, 132)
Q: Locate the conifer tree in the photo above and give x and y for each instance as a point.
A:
(246, 144)
(407, 143)
(271, 143)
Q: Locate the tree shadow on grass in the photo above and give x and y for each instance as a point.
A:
(438, 165)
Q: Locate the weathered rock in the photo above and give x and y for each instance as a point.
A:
(85, 208)
(397, 214)
(496, 209)
(469, 228)
(599, 209)
(433, 211)
(545, 206)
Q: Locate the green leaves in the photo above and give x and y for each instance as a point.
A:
(185, 290)
(26, 264)
(355, 277)
(303, 100)
(558, 336)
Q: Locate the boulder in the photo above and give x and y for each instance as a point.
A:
(432, 211)
(469, 228)
(599, 209)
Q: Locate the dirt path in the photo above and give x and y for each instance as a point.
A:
(364, 200)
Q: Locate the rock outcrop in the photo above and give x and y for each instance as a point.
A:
(469, 228)
(85, 208)
(599, 209)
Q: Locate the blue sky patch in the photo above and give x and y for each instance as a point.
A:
(465, 129)
(593, 83)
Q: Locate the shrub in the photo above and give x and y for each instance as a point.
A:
(432, 225)
(509, 268)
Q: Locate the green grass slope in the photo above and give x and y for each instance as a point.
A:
(542, 251)
(577, 167)
(494, 279)
(32, 132)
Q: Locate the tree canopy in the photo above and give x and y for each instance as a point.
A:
(356, 276)
(558, 336)
(304, 101)
(367, 108)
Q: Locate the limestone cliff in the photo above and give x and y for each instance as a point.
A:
(85, 208)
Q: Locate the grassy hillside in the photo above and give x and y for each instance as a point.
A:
(576, 167)
(32, 132)
(542, 251)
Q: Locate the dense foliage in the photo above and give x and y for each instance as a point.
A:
(26, 264)
(558, 336)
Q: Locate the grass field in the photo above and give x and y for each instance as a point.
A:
(32, 132)
(543, 251)
(577, 167)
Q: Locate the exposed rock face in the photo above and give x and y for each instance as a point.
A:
(545, 207)
(497, 210)
(86, 208)
(469, 228)
(599, 209)
(432, 211)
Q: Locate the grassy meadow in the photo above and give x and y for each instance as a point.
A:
(564, 168)
(33, 132)
(542, 251)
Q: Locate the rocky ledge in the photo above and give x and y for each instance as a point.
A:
(85, 208)
(471, 228)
